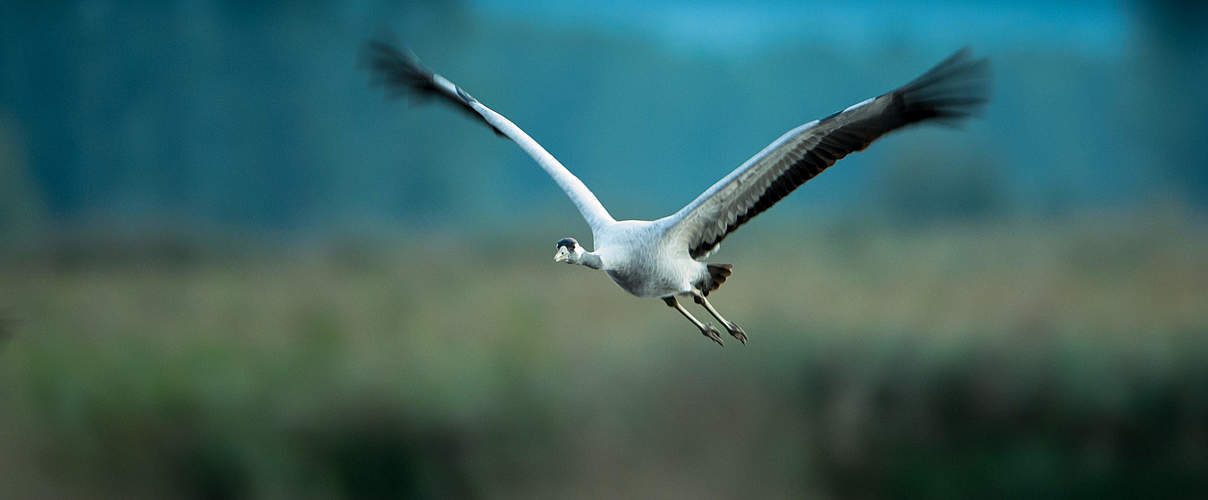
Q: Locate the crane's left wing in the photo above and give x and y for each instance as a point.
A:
(953, 89)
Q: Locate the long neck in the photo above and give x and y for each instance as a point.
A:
(591, 260)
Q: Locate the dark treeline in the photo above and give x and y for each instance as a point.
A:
(258, 116)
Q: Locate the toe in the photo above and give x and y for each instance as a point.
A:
(737, 332)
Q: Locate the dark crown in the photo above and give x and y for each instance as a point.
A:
(569, 243)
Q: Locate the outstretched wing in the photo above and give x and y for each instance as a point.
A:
(954, 89)
(402, 73)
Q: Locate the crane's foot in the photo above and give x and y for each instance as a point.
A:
(737, 332)
(732, 327)
(713, 333)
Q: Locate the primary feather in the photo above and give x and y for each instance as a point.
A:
(401, 73)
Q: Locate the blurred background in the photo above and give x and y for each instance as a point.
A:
(229, 268)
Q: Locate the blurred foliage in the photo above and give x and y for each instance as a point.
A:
(929, 184)
(986, 359)
(230, 269)
(20, 208)
(1173, 55)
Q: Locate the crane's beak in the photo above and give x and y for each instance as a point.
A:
(563, 255)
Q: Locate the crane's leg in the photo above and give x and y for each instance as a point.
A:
(706, 330)
(735, 330)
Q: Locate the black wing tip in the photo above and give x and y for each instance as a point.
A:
(401, 73)
(956, 88)
(961, 65)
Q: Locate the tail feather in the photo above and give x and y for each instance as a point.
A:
(717, 275)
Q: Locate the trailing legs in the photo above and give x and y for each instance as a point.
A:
(706, 330)
(735, 330)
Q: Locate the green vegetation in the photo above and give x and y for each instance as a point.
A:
(1004, 360)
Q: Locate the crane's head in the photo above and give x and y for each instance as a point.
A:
(569, 251)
